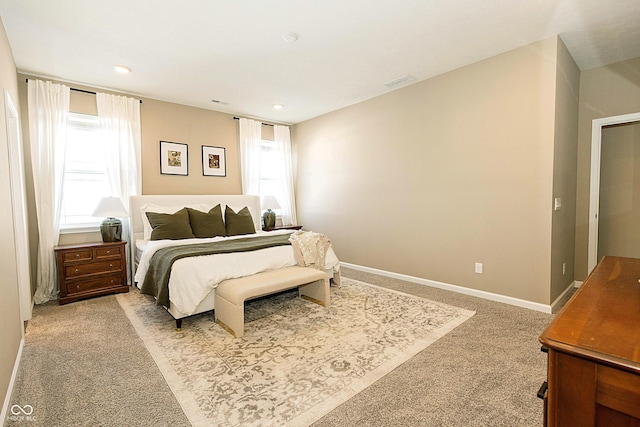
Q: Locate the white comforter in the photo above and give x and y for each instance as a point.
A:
(193, 278)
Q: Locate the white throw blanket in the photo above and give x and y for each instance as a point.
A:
(310, 249)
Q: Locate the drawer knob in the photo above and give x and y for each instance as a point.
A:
(112, 281)
(77, 255)
(76, 270)
(110, 265)
(108, 252)
(78, 287)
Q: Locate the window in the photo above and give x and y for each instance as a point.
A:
(85, 179)
(269, 169)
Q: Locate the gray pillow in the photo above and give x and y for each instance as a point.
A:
(238, 223)
(170, 226)
(207, 224)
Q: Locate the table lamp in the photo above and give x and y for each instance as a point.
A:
(111, 227)
(269, 217)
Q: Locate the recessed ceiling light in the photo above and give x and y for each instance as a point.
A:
(278, 106)
(290, 37)
(122, 69)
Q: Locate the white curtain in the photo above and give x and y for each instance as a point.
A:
(250, 148)
(48, 114)
(119, 119)
(285, 193)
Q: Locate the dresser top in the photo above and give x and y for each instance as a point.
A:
(87, 245)
(602, 320)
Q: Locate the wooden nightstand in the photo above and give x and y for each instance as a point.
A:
(91, 269)
(284, 227)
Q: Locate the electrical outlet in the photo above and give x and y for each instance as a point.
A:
(478, 267)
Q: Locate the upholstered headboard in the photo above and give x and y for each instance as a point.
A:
(236, 202)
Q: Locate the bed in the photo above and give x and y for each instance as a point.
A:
(192, 280)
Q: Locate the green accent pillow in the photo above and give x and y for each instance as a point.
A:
(238, 223)
(207, 224)
(170, 226)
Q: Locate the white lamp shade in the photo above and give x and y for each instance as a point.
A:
(270, 202)
(110, 207)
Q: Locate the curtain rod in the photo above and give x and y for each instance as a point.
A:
(263, 124)
(83, 91)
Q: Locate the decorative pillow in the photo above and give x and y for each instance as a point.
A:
(207, 224)
(170, 226)
(238, 223)
(150, 207)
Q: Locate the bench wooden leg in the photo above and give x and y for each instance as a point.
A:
(317, 291)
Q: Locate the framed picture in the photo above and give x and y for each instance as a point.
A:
(174, 158)
(214, 162)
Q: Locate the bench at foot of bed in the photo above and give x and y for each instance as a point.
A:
(231, 294)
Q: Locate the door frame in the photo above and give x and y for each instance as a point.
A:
(594, 192)
(18, 196)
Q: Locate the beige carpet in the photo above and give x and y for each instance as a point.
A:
(297, 360)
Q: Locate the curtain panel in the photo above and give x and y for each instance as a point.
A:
(48, 106)
(119, 119)
(285, 193)
(250, 148)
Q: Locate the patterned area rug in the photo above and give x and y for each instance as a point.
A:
(297, 360)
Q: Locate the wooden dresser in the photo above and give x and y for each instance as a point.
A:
(91, 269)
(594, 351)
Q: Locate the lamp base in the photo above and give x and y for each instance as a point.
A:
(269, 219)
(111, 230)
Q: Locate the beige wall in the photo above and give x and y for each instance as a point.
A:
(195, 127)
(431, 178)
(604, 92)
(11, 330)
(564, 172)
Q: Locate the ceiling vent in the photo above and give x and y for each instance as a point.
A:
(216, 101)
(400, 81)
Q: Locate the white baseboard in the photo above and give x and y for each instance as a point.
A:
(7, 398)
(564, 293)
(454, 288)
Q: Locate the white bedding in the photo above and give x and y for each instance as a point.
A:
(193, 278)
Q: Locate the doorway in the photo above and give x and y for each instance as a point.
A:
(616, 203)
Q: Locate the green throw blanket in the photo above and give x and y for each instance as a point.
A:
(156, 281)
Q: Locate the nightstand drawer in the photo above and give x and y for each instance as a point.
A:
(107, 252)
(77, 255)
(92, 268)
(91, 284)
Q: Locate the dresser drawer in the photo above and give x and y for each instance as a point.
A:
(76, 255)
(103, 282)
(97, 267)
(108, 252)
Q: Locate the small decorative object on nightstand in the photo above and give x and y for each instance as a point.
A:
(111, 227)
(269, 217)
(91, 269)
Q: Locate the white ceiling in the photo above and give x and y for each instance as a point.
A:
(192, 51)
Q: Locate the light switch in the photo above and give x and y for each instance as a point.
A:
(557, 204)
